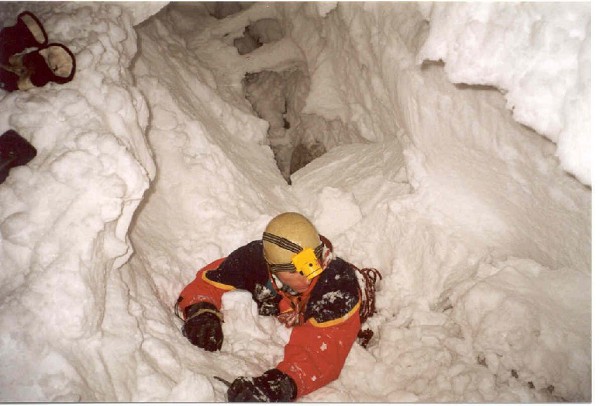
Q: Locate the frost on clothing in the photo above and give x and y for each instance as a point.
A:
(319, 345)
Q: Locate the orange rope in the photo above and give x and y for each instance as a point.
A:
(369, 275)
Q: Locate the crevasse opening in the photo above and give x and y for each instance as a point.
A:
(182, 135)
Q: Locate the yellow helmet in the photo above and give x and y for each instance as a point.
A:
(292, 244)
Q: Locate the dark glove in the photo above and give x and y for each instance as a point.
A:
(14, 151)
(272, 386)
(203, 326)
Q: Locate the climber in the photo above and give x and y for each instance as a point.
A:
(292, 274)
(26, 58)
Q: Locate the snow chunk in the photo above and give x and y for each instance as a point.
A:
(336, 211)
(537, 53)
(535, 321)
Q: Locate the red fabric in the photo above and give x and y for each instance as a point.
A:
(201, 291)
(314, 356)
(291, 308)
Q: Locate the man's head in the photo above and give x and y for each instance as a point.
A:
(292, 246)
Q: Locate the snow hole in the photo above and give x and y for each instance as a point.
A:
(296, 138)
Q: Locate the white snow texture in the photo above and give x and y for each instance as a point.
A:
(458, 163)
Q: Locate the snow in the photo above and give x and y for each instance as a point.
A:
(544, 73)
(458, 163)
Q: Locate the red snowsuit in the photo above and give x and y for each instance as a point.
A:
(318, 347)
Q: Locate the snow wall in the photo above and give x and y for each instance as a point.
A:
(483, 239)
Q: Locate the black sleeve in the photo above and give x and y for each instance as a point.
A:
(243, 268)
(336, 293)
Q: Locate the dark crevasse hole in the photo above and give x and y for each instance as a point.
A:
(222, 9)
(278, 97)
(258, 33)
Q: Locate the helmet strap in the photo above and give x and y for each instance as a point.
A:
(286, 244)
(282, 242)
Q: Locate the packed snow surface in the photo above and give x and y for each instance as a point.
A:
(458, 164)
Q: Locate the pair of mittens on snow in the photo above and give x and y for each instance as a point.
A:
(20, 70)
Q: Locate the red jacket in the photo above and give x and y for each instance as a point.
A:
(318, 347)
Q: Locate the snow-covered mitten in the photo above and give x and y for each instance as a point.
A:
(14, 151)
(203, 326)
(272, 386)
(53, 63)
(267, 301)
(26, 33)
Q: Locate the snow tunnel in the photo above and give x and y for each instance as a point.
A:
(447, 145)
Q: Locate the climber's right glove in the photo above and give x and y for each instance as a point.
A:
(272, 386)
(203, 326)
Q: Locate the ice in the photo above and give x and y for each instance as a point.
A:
(458, 163)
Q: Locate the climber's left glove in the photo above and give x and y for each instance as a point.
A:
(272, 386)
(203, 326)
